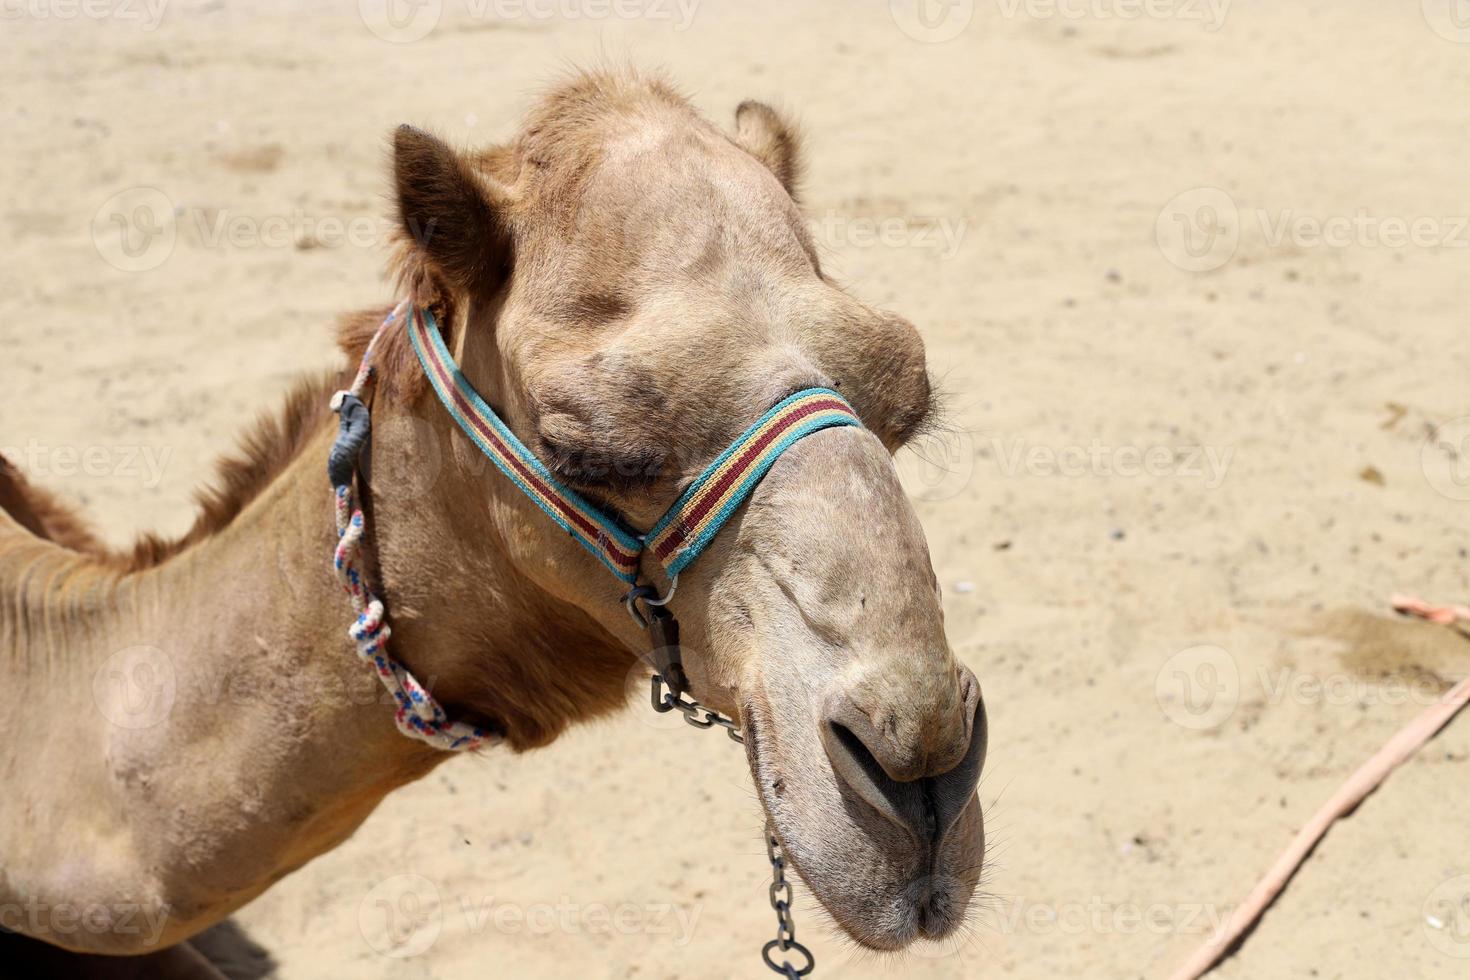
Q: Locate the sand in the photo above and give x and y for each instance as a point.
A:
(1194, 281)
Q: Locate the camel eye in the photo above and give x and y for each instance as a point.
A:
(611, 468)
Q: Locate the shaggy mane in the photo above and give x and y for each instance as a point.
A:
(264, 453)
(268, 448)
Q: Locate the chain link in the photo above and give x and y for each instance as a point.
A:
(694, 713)
(785, 939)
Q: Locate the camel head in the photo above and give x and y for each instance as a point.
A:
(631, 288)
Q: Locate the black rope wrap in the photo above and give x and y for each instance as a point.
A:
(354, 425)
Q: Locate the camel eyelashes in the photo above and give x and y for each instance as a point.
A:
(603, 468)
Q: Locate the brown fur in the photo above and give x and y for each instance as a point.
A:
(42, 513)
(771, 140)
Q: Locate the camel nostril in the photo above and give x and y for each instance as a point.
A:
(926, 807)
(854, 763)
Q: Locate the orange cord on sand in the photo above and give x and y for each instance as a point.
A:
(1443, 615)
(1372, 773)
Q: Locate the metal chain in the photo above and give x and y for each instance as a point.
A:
(785, 939)
(694, 713)
(699, 716)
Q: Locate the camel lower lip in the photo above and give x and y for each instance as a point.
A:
(928, 905)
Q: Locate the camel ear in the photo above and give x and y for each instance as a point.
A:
(454, 216)
(768, 137)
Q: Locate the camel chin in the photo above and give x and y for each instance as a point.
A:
(881, 884)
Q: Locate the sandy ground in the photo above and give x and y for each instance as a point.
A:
(1194, 279)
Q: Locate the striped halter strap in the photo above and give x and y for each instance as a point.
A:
(682, 534)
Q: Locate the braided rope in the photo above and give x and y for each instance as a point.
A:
(418, 714)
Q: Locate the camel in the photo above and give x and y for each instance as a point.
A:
(630, 287)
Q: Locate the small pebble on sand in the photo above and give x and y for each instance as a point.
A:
(963, 587)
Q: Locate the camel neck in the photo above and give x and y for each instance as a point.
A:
(200, 727)
(204, 725)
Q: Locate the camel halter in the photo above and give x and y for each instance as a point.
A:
(682, 534)
(678, 538)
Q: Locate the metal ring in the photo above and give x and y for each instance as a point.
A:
(661, 701)
(673, 587)
(811, 961)
(630, 601)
